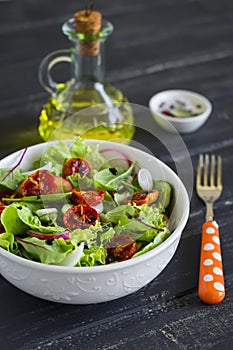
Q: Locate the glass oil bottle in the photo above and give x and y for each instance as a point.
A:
(109, 116)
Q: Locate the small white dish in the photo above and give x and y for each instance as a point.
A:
(171, 100)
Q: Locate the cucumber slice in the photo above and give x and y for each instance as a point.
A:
(165, 191)
(181, 113)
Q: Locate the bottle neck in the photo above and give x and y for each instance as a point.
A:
(88, 60)
(88, 67)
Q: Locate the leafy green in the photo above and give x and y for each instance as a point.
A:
(11, 221)
(61, 151)
(93, 256)
(18, 219)
(92, 236)
(95, 158)
(7, 241)
(11, 180)
(45, 253)
(120, 197)
(159, 238)
(88, 236)
(42, 198)
(78, 181)
(56, 154)
(106, 236)
(150, 235)
(152, 215)
(105, 179)
(31, 220)
(33, 206)
(78, 148)
(121, 213)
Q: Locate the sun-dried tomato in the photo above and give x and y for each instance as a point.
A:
(40, 182)
(91, 197)
(80, 216)
(120, 248)
(144, 197)
(76, 165)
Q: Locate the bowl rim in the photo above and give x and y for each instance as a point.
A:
(178, 120)
(119, 265)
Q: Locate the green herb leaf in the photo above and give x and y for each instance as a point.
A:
(105, 179)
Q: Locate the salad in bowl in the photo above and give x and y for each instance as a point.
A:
(80, 205)
(89, 221)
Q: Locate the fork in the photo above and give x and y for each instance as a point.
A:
(211, 289)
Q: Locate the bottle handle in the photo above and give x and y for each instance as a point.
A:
(45, 69)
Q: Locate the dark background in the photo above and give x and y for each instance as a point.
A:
(156, 45)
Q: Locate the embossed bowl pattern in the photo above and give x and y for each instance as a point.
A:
(86, 285)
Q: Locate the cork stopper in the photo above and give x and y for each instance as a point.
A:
(88, 22)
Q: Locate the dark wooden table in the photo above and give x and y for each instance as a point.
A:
(156, 45)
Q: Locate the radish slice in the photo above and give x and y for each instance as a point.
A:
(116, 158)
(42, 212)
(73, 258)
(145, 179)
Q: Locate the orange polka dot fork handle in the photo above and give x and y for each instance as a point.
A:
(211, 288)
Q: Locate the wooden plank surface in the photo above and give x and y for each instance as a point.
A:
(156, 45)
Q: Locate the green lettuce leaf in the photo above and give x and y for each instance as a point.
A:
(53, 197)
(32, 206)
(61, 151)
(132, 225)
(152, 215)
(93, 256)
(105, 179)
(56, 154)
(12, 180)
(18, 219)
(78, 148)
(106, 236)
(82, 182)
(151, 234)
(88, 236)
(141, 223)
(7, 241)
(120, 214)
(11, 221)
(159, 238)
(95, 158)
(33, 221)
(45, 253)
(120, 197)
(97, 235)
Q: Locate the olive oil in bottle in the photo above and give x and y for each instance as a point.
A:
(85, 105)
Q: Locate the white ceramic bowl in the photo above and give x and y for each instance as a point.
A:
(85, 285)
(182, 125)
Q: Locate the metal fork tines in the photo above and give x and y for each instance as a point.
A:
(209, 181)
